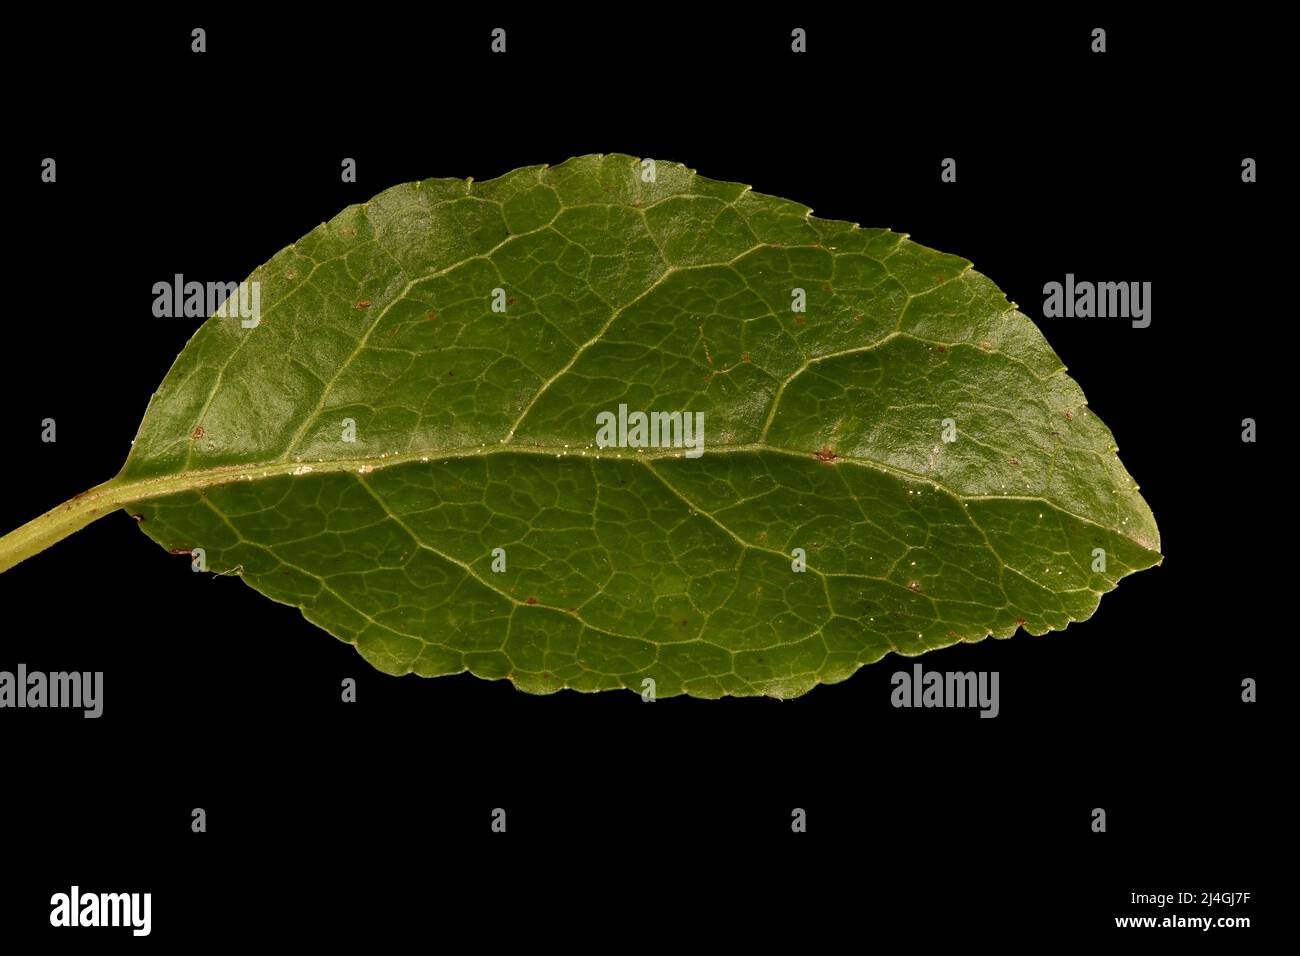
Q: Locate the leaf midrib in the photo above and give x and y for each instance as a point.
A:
(126, 491)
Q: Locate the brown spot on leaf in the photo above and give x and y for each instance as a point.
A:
(1016, 462)
(938, 280)
(1069, 415)
(431, 315)
(363, 304)
(510, 301)
(914, 585)
(532, 600)
(943, 348)
(197, 433)
(798, 320)
(744, 356)
(826, 455)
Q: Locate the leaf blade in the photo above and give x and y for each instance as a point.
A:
(666, 295)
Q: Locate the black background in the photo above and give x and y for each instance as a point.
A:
(324, 817)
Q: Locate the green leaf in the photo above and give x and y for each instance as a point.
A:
(476, 430)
